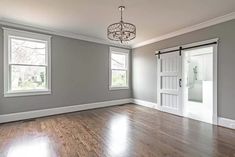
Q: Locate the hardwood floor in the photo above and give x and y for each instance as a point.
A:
(120, 131)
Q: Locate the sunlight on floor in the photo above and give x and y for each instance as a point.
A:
(38, 147)
(118, 135)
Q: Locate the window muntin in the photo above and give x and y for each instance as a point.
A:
(119, 68)
(26, 64)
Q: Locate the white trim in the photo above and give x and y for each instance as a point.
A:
(61, 33)
(26, 34)
(224, 122)
(118, 88)
(188, 45)
(145, 103)
(200, 42)
(199, 26)
(228, 123)
(119, 51)
(60, 110)
(9, 33)
(215, 84)
(215, 75)
(158, 83)
(29, 93)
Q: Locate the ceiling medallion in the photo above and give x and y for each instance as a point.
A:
(121, 31)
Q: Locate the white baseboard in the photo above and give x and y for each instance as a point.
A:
(53, 111)
(228, 123)
(145, 103)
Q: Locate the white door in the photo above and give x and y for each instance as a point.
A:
(170, 82)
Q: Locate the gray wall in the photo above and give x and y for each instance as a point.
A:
(144, 68)
(79, 75)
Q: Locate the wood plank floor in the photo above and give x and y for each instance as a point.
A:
(120, 131)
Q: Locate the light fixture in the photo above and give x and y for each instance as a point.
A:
(121, 31)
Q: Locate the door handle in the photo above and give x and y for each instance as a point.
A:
(180, 82)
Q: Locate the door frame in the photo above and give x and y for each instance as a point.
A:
(215, 77)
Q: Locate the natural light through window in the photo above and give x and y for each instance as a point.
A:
(27, 63)
(119, 68)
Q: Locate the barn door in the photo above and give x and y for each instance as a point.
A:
(169, 83)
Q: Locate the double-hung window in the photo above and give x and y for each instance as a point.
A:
(119, 68)
(27, 63)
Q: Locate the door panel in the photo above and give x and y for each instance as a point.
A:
(169, 82)
(169, 90)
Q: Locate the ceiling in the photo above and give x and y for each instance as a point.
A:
(153, 18)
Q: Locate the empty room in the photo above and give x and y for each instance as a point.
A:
(117, 78)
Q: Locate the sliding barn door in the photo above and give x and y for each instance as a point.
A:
(170, 82)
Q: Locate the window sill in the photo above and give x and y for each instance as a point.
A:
(27, 93)
(118, 88)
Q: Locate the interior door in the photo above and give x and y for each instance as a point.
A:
(170, 82)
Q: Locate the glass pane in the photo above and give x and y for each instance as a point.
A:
(199, 68)
(28, 52)
(119, 78)
(118, 61)
(28, 77)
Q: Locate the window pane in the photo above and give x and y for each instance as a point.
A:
(119, 78)
(28, 77)
(28, 52)
(118, 61)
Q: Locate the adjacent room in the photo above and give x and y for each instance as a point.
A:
(117, 78)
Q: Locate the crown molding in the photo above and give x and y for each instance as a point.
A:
(199, 26)
(185, 30)
(59, 33)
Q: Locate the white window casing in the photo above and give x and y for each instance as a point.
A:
(13, 34)
(123, 53)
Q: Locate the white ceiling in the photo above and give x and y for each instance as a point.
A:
(152, 18)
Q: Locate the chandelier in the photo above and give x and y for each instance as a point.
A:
(121, 31)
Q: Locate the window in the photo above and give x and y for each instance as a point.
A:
(27, 69)
(119, 69)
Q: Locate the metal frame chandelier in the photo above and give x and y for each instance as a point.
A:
(121, 31)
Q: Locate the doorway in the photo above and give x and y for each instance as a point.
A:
(187, 81)
(198, 83)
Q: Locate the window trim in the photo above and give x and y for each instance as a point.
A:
(8, 33)
(119, 51)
